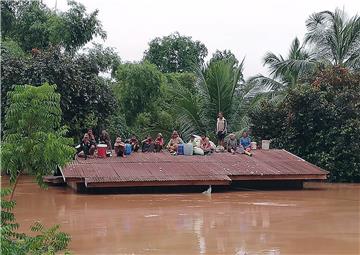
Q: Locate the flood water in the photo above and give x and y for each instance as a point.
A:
(321, 219)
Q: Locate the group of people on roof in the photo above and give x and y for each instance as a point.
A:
(199, 145)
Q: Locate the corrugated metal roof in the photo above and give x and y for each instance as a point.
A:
(162, 167)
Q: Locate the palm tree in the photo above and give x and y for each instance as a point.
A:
(218, 89)
(285, 72)
(335, 38)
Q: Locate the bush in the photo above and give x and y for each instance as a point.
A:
(319, 122)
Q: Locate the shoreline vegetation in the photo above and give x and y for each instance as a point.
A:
(53, 89)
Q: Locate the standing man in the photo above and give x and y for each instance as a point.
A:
(221, 129)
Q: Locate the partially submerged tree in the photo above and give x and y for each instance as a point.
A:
(34, 140)
(47, 241)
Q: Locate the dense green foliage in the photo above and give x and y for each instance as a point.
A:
(45, 242)
(175, 53)
(319, 122)
(33, 25)
(138, 86)
(34, 140)
(219, 88)
(84, 95)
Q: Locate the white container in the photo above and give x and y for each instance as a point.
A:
(188, 149)
(253, 145)
(265, 144)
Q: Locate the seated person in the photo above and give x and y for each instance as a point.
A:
(119, 147)
(205, 144)
(175, 140)
(245, 141)
(134, 142)
(159, 142)
(196, 145)
(147, 144)
(91, 135)
(232, 143)
(105, 139)
(87, 146)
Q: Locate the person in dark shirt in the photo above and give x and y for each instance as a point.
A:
(91, 135)
(87, 147)
(134, 142)
(147, 144)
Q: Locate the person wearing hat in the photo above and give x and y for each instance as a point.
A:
(232, 143)
(175, 140)
(159, 142)
(119, 147)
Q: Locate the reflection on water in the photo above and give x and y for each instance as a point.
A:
(322, 219)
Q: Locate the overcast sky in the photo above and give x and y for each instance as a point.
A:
(247, 28)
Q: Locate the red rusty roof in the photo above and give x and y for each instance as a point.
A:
(165, 169)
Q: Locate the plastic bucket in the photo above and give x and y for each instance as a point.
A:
(180, 149)
(253, 145)
(265, 144)
(127, 149)
(188, 149)
(101, 150)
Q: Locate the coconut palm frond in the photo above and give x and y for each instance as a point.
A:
(266, 83)
(335, 37)
(188, 110)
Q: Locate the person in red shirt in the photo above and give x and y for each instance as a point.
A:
(205, 144)
(159, 143)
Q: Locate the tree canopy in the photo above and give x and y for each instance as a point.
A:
(33, 127)
(175, 53)
(33, 25)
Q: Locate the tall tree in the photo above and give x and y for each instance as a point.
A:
(34, 140)
(86, 99)
(33, 25)
(335, 38)
(225, 54)
(175, 53)
(285, 72)
(138, 85)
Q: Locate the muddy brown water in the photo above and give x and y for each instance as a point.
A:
(321, 219)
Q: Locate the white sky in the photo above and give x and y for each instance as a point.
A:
(247, 28)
